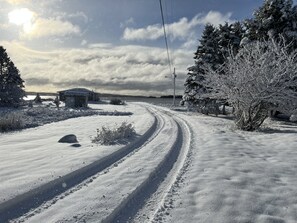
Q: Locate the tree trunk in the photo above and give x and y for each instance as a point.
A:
(250, 121)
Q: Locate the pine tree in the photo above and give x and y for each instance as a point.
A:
(11, 83)
(213, 51)
(225, 41)
(206, 54)
(229, 40)
(237, 33)
(273, 19)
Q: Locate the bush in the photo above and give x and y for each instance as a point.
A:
(260, 78)
(116, 101)
(11, 121)
(118, 135)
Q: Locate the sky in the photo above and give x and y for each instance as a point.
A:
(109, 46)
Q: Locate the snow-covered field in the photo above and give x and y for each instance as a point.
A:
(183, 167)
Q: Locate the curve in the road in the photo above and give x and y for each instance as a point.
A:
(137, 199)
(171, 191)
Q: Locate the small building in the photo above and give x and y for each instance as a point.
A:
(91, 95)
(76, 99)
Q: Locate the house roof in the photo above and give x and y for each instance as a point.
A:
(76, 90)
(76, 93)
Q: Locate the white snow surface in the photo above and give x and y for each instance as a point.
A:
(236, 176)
(32, 157)
(222, 175)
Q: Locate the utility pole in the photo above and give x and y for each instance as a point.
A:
(174, 77)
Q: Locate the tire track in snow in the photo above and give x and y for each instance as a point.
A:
(23, 203)
(158, 205)
(167, 202)
(109, 202)
(128, 209)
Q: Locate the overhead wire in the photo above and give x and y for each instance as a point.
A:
(168, 20)
(165, 36)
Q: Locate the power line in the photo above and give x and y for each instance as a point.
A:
(168, 56)
(165, 36)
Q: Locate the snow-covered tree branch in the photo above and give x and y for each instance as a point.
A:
(261, 77)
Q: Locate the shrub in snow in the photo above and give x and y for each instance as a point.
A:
(116, 101)
(120, 134)
(11, 121)
(260, 78)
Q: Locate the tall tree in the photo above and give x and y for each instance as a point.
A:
(212, 52)
(230, 36)
(11, 83)
(272, 19)
(206, 54)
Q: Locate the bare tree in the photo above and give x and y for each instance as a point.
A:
(261, 77)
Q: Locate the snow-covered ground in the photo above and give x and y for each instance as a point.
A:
(33, 156)
(190, 168)
(236, 176)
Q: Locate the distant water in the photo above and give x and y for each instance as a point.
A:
(30, 97)
(167, 102)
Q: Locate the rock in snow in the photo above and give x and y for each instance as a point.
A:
(71, 138)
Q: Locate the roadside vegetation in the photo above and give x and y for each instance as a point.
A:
(118, 135)
(250, 66)
(116, 101)
(11, 121)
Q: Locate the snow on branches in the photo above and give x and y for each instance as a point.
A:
(261, 77)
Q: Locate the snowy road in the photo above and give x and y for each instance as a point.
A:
(185, 167)
(110, 192)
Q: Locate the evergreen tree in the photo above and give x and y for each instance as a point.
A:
(273, 19)
(206, 54)
(225, 41)
(11, 83)
(237, 33)
(207, 51)
(212, 52)
(229, 40)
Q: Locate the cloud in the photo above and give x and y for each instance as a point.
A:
(4, 26)
(99, 45)
(178, 30)
(34, 26)
(215, 18)
(17, 2)
(50, 27)
(79, 15)
(130, 69)
(152, 32)
(84, 42)
(129, 21)
(37, 81)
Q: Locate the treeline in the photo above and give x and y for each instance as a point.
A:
(242, 64)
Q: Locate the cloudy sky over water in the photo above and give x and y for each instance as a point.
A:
(111, 46)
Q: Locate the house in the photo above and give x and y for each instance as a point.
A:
(76, 99)
(91, 95)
